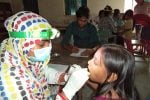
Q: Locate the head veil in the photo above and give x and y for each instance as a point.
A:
(25, 29)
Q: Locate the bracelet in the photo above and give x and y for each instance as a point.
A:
(62, 96)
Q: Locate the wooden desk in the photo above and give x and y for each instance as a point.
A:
(65, 59)
(60, 27)
(64, 56)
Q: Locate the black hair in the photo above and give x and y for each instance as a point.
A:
(116, 12)
(118, 60)
(129, 13)
(83, 12)
(101, 13)
(107, 10)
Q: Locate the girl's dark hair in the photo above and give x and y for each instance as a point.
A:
(116, 12)
(83, 12)
(101, 13)
(128, 13)
(118, 60)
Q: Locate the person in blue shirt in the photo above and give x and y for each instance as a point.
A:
(83, 33)
(118, 20)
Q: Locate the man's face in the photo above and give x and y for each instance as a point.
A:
(82, 21)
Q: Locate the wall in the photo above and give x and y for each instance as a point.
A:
(53, 10)
(96, 5)
(16, 4)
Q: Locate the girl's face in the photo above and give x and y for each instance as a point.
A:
(39, 45)
(97, 69)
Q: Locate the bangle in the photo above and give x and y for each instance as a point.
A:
(62, 96)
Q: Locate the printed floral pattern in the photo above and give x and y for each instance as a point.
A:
(21, 79)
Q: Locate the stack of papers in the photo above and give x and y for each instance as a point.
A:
(78, 54)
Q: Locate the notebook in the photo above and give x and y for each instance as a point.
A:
(78, 54)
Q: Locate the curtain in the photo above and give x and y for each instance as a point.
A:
(72, 5)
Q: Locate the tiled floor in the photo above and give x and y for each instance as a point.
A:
(142, 81)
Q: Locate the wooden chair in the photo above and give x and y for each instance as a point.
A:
(5, 12)
(135, 47)
(139, 48)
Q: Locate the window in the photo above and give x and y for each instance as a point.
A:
(129, 4)
(72, 5)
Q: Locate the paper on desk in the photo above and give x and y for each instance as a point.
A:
(59, 67)
(78, 54)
